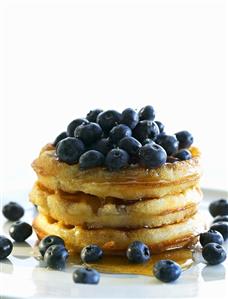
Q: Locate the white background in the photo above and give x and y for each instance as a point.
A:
(62, 58)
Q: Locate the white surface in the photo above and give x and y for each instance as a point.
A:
(63, 57)
(22, 277)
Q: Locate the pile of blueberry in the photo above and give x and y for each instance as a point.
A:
(116, 140)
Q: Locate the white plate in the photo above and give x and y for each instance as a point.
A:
(21, 276)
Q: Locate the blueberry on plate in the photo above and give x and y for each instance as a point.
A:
(214, 253)
(69, 150)
(91, 159)
(183, 155)
(160, 126)
(147, 113)
(60, 137)
(108, 119)
(20, 231)
(74, 124)
(219, 207)
(13, 211)
(220, 219)
(86, 275)
(91, 254)
(130, 145)
(48, 241)
(146, 129)
(138, 252)
(88, 133)
(6, 247)
(92, 115)
(118, 132)
(169, 143)
(221, 227)
(167, 270)
(152, 156)
(103, 145)
(130, 118)
(56, 256)
(212, 236)
(117, 159)
(185, 139)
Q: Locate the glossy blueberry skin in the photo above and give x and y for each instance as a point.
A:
(118, 132)
(146, 141)
(91, 159)
(169, 143)
(221, 227)
(152, 155)
(147, 113)
(138, 252)
(20, 231)
(88, 133)
(183, 155)
(212, 236)
(91, 254)
(48, 241)
(167, 270)
(13, 211)
(104, 145)
(86, 276)
(130, 118)
(108, 119)
(116, 159)
(214, 253)
(6, 247)
(146, 129)
(220, 219)
(60, 137)
(160, 126)
(130, 145)
(74, 124)
(219, 207)
(55, 257)
(92, 115)
(69, 150)
(185, 139)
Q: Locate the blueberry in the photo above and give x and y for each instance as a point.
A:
(69, 150)
(74, 124)
(13, 211)
(147, 113)
(214, 253)
(20, 231)
(91, 254)
(116, 159)
(221, 227)
(88, 133)
(60, 137)
(146, 129)
(183, 155)
(160, 126)
(152, 155)
(118, 132)
(130, 118)
(92, 115)
(138, 252)
(146, 141)
(48, 241)
(91, 159)
(220, 219)
(86, 275)
(6, 247)
(130, 145)
(55, 257)
(212, 236)
(185, 139)
(169, 143)
(103, 145)
(167, 270)
(108, 119)
(219, 207)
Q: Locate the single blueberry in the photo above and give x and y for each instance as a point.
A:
(130, 118)
(160, 126)
(219, 207)
(48, 241)
(6, 247)
(20, 231)
(13, 211)
(221, 227)
(220, 219)
(108, 119)
(169, 143)
(130, 145)
(91, 254)
(60, 137)
(74, 124)
(212, 236)
(55, 257)
(183, 154)
(104, 145)
(214, 253)
(91, 159)
(92, 115)
(167, 270)
(138, 252)
(185, 139)
(118, 132)
(69, 150)
(152, 155)
(116, 159)
(86, 276)
(147, 113)
(88, 133)
(146, 129)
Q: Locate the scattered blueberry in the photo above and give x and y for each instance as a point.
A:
(74, 124)
(6, 247)
(169, 143)
(212, 236)
(86, 275)
(48, 241)
(214, 253)
(103, 145)
(221, 227)
(183, 155)
(220, 219)
(91, 159)
(167, 270)
(130, 145)
(92, 115)
(91, 254)
(20, 231)
(118, 132)
(160, 126)
(147, 113)
(88, 133)
(60, 137)
(185, 139)
(138, 252)
(55, 257)
(117, 159)
(13, 211)
(108, 119)
(130, 118)
(146, 129)
(69, 150)
(152, 155)
(219, 207)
